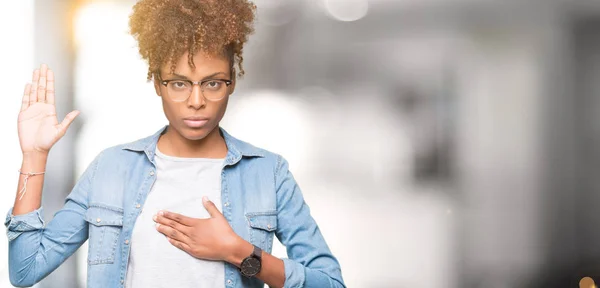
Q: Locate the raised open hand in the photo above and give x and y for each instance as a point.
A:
(38, 126)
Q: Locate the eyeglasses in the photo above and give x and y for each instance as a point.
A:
(179, 90)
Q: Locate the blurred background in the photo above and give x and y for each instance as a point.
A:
(439, 143)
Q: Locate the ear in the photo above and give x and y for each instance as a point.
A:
(156, 85)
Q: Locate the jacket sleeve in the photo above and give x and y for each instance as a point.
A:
(310, 263)
(35, 250)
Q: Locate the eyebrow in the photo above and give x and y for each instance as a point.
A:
(207, 77)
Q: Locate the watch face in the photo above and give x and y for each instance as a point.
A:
(250, 266)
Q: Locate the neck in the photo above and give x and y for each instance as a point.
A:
(173, 144)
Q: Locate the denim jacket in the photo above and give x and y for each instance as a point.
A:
(260, 200)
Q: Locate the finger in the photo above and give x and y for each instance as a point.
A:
(180, 245)
(187, 221)
(41, 93)
(64, 125)
(50, 88)
(162, 220)
(25, 100)
(211, 208)
(172, 233)
(34, 85)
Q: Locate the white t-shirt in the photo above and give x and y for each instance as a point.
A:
(179, 187)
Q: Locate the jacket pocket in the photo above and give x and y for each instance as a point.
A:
(262, 227)
(105, 229)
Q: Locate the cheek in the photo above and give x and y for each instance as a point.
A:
(168, 109)
(222, 107)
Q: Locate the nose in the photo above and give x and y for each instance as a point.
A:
(196, 99)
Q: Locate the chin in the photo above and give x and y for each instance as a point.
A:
(195, 133)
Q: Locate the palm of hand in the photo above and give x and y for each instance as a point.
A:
(38, 127)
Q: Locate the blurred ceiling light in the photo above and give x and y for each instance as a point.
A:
(101, 29)
(347, 10)
(91, 25)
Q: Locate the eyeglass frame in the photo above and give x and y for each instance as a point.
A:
(199, 83)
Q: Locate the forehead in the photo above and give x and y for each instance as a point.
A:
(204, 65)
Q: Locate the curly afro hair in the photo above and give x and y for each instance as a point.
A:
(166, 29)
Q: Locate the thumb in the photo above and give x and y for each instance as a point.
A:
(64, 125)
(210, 207)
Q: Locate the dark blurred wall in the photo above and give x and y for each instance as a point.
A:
(573, 159)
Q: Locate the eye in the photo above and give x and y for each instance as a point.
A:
(213, 85)
(178, 84)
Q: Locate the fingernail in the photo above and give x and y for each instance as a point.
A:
(161, 213)
(157, 225)
(204, 198)
(154, 217)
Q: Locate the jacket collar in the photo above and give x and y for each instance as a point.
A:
(236, 149)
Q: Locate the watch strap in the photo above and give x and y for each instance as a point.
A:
(257, 253)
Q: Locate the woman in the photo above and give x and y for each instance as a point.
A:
(189, 206)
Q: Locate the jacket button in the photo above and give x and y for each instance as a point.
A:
(229, 281)
(127, 241)
(269, 226)
(138, 206)
(98, 220)
(151, 173)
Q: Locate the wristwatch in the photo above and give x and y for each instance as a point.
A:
(251, 265)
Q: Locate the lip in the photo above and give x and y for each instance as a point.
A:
(196, 118)
(195, 121)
